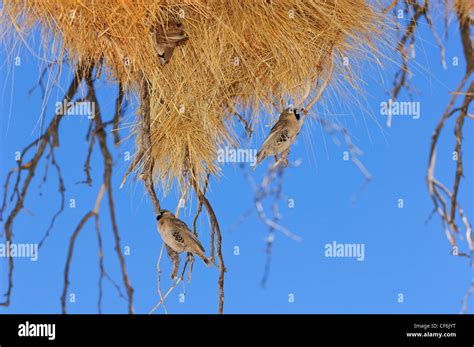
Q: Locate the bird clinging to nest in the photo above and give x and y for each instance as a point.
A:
(282, 135)
(167, 39)
(176, 235)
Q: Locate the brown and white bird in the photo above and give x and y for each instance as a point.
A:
(167, 39)
(176, 235)
(282, 134)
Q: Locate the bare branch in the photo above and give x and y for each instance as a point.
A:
(147, 172)
(49, 136)
(215, 229)
(72, 241)
(107, 157)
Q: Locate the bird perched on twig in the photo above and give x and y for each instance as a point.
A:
(167, 39)
(176, 235)
(282, 135)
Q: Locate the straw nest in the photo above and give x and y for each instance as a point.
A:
(465, 8)
(239, 54)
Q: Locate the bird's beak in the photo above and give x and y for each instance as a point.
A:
(160, 214)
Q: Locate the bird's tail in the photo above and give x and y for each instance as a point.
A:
(206, 260)
(260, 157)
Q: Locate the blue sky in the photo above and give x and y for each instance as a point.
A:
(403, 254)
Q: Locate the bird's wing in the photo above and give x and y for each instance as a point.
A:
(179, 224)
(179, 228)
(275, 132)
(196, 240)
(185, 232)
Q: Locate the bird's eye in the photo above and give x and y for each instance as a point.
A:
(297, 114)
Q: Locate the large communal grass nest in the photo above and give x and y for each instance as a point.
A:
(261, 54)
